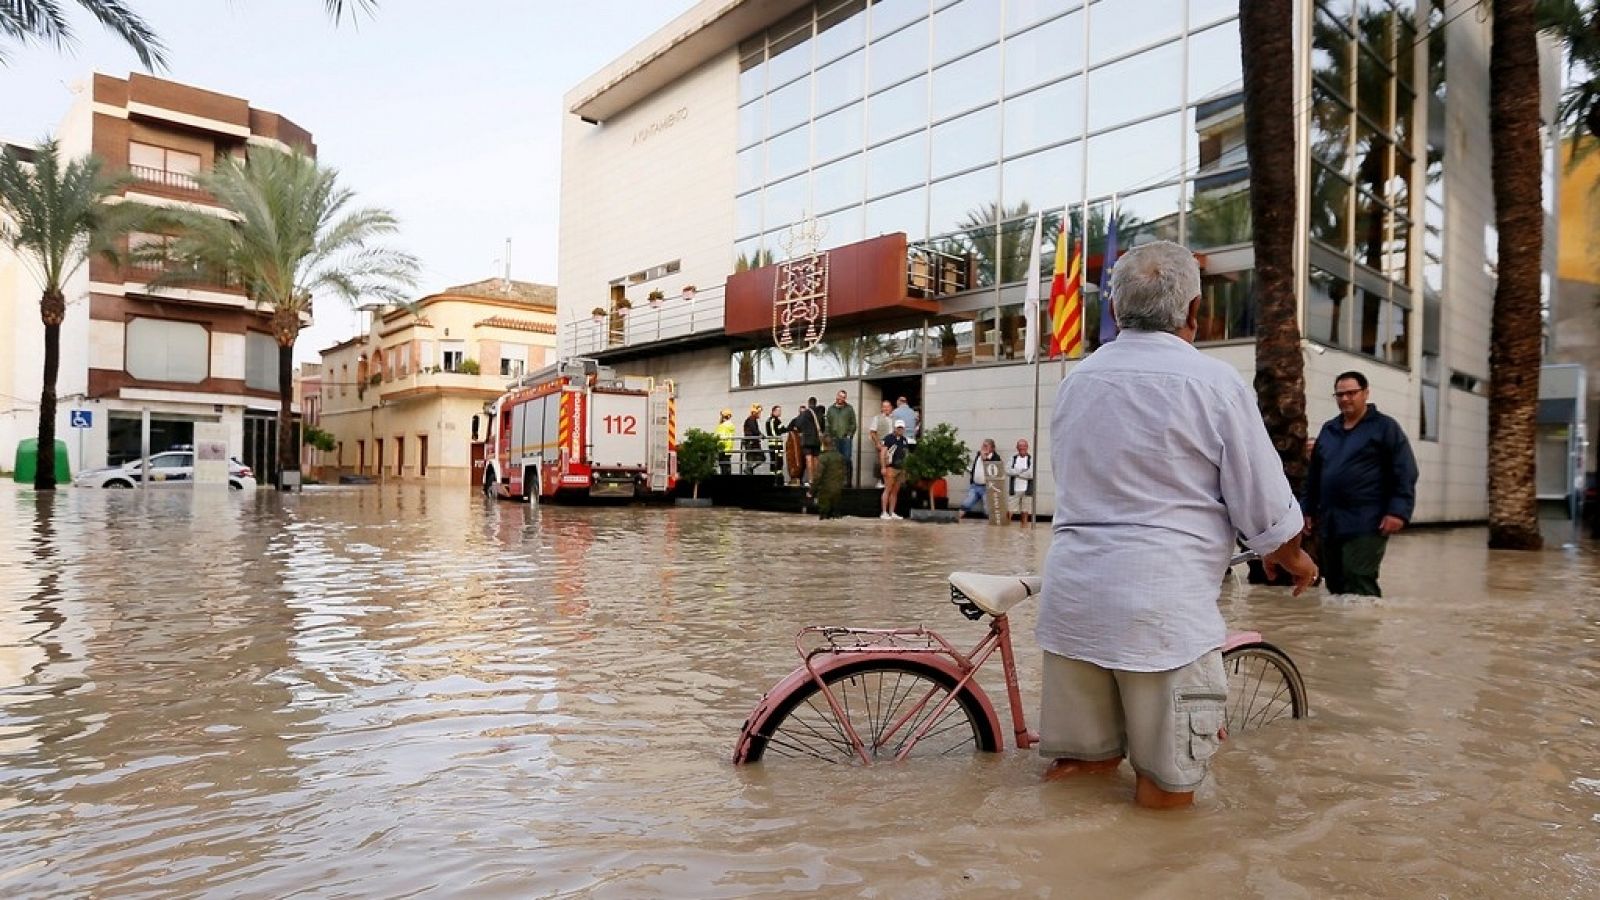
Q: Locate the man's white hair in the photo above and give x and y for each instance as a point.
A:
(1152, 285)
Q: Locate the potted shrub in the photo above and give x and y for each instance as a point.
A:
(656, 297)
(698, 453)
(468, 367)
(688, 292)
(622, 306)
(599, 313)
(938, 453)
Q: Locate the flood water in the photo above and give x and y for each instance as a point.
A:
(386, 692)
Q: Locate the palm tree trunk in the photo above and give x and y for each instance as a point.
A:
(53, 310)
(1515, 350)
(287, 458)
(1266, 30)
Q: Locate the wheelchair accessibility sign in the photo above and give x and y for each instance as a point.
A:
(82, 418)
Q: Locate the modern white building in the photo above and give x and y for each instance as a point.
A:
(924, 136)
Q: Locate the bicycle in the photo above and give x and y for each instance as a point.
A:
(862, 694)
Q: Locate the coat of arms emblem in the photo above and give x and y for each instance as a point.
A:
(800, 293)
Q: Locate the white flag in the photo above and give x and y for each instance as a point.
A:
(1030, 303)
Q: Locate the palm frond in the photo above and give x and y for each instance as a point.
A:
(58, 212)
(122, 21)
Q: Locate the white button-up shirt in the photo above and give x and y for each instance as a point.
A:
(1160, 461)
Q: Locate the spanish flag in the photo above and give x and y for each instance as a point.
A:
(1066, 298)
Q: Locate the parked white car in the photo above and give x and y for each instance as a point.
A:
(174, 468)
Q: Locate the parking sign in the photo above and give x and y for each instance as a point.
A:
(82, 418)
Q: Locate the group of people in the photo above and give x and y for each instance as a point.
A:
(989, 473)
(1149, 504)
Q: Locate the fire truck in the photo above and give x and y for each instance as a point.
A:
(575, 429)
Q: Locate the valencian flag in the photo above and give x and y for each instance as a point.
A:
(1066, 298)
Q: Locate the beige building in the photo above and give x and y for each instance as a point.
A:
(402, 399)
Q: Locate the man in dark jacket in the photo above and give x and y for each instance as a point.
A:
(809, 425)
(1362, 487)
(752, 439)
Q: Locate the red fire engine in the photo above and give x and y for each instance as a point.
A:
(577, 430)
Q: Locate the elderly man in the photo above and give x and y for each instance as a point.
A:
(1160, 460)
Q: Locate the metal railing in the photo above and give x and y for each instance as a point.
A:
(674, 317)
(934, 273)
(182, 181)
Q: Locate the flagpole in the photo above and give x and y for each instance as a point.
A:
(1033, 348)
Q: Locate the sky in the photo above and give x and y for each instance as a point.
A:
(448, 114)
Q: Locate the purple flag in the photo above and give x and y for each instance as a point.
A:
(1108, 324)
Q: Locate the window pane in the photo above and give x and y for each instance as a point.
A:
(785, 203)
(907, 212)
(1369, 230)
(751, 123)
(1046, 116)
(887, 15)
(1216, 136)
(954, 202)
(898, 56)
(185, 163)
(841, 30)
(837, 184)
(788, 106)
(1117, 26)
(1330, 208)
(969, 83)
(1331, 48)
(1138, 156)
(1045, 180)
(261, 361)
(787, 153)
(952, 344)
(1398, 348)
(972, 140)
(895, 351)
(747, 214)
(753, 77)
(838, 133)
(1397, 252)
(1326, 307)
(160, 350)
(897, 164)
(966, 26)
(1370, 334)
(1148, 216)
(1227, 306)
(146, 156)
(789, 55)
(1019, 14)
(841, 227)
(895, 112)
(1330, 129)
(749, 164)
(1214, 64)
(1203, 12)
(1046, 53)
(1159, 75)
(1219, 215)
(841, 82)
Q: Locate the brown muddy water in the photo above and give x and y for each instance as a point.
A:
(381, 692)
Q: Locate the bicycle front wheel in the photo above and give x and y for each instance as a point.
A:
(887, 702)
(1263, 687)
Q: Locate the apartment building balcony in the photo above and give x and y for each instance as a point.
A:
(168, 183)
(431, 380)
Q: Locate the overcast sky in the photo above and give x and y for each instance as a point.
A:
(447, 113)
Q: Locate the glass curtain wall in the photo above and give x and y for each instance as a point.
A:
(959, 121)
(1366, 59)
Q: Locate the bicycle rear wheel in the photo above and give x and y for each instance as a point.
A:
(875, 695)
(1263, 687)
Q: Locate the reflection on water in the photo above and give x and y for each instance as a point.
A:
(391, 692)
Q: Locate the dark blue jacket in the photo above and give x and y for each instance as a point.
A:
(1359, 476)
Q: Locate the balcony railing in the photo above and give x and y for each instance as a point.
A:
(936, 273)
(673, 317)
(178, 181)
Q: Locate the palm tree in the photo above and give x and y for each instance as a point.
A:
(1266, 39)
(54, 215)
(296, 234)
(1576, 23)
(45, 20)
(1515, 344)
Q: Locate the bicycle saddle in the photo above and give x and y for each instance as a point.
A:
(995, 594)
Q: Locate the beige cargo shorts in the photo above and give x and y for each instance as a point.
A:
(1168, 724)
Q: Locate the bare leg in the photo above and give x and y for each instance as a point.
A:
(1066, 767)
(1149, 796)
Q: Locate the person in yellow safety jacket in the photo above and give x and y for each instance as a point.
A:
(726, 432)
